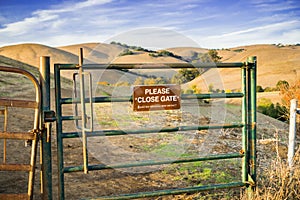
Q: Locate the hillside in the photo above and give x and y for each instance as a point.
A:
(92, 52)
(95, 52)
(275, 62)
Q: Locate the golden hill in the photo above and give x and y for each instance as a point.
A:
(274, 62)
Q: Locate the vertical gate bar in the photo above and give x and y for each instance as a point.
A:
(32, 166)
(60, 159)
(46, 139)
(252, 61)
(75, 105)
(83, 112)
(5, 129)
(251, 73)
(244, 130)
(36, 127)
(249, 188)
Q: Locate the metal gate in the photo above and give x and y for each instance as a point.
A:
(40, 132)
(247, 124)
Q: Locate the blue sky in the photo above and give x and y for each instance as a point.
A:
(207, 23)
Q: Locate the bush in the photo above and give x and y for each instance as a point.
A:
(185, 75)
(277, 111)
(164, 53)
(259, 88)
(126, 52)
(155, 81)
(287, 93)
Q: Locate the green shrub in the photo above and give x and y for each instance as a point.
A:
(277, 111)
(126, 52)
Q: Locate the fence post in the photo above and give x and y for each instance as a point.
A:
(45, 155)
(292, 131)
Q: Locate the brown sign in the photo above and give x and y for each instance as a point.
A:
(157, 97)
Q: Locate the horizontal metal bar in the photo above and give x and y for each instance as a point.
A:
(212, 96)
(107, 99)
(151, 163)
(17, 135)
(120, 66)
(64, 118)
(61, 66)
(104, 99)
(23, 196)
(157, 130)
(18, 103)
(172, 191)
(15, 167)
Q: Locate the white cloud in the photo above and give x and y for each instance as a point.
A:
(285, 32)
(268, 28)
(272, 5)
(97, 20)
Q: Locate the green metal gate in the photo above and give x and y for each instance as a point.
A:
(247, 125)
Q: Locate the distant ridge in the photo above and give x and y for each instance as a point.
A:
(275, 62)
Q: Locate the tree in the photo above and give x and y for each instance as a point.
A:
(259, 88)
(126, 52)
(282, 84)
(214, 55)
(185, 75)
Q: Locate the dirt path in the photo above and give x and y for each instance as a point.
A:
(113, 150)
(108, 182)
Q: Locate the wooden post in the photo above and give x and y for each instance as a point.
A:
(292, 131)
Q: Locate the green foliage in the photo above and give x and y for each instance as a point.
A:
(238, 50)
(259, 88)
(164, 53)
(136, 48)
(138, 81)
(270, 89)
(126, 52)
(282, 84)
(188, 91)
(214, 55)
(154, 81)
(195, 89)
(277, 111)
(185, 75)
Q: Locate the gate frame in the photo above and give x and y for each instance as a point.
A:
(33, 135)
(248, 125)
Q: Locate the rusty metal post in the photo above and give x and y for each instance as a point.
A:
(251, 63)
(46, 129)
(83, 112)
(245, 129)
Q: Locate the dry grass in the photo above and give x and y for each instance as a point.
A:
(280, 182)
(287, 93)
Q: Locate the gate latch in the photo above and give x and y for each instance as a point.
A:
(49, 116)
